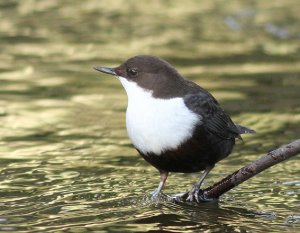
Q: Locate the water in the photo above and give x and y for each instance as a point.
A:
(66, 162)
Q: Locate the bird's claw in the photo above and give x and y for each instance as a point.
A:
(154, 195)
(199, 195)
(194, 195)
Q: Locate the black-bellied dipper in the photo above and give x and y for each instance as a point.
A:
(176, 125)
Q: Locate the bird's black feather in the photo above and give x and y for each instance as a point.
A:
(212, 117)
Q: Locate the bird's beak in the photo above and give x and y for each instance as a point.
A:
(106, 70)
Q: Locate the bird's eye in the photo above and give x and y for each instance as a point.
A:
(132, 72)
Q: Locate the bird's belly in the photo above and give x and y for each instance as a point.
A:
(194, 155)
(159, 125)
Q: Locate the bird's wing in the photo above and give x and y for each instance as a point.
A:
(214, 118)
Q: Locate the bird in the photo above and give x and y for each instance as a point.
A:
(175, 125)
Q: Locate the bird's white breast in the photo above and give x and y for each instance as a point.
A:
(155, 125)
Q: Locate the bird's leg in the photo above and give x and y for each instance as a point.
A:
(194, 193)
(163, 178)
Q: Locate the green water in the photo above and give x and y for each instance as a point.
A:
(65, 159)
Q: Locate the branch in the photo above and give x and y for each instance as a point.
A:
(245, 173)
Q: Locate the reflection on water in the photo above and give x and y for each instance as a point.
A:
(66, 161)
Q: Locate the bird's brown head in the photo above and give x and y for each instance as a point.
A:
(149, 72)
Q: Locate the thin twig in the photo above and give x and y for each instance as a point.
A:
(245, 173)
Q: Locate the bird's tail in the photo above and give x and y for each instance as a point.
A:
(244, 130)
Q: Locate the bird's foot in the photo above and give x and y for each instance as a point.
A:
(198, 195)
(194, 194)
(158, 196)
(155, 194)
